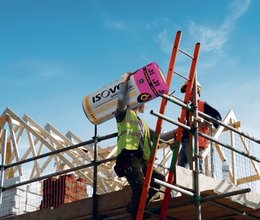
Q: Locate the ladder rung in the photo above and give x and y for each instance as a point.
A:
(181, 75)
(187, 54)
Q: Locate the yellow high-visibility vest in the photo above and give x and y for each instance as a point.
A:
(129, 135)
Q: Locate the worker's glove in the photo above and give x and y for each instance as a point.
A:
(126, 76)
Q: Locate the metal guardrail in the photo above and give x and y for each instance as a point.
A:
(94, 163)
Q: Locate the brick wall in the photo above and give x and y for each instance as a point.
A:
(64, 189)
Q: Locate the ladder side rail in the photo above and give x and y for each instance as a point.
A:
(158, 129)
(180, 131)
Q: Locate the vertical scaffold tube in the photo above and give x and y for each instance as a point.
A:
(95, 196)
(196, 147)
(2, 170)
(179, 134)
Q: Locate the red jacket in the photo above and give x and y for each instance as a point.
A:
(203, 142)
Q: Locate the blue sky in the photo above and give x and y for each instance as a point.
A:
(55, 52)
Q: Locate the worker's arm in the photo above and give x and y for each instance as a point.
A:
(213, 113)
(122, 99)
(168, 135)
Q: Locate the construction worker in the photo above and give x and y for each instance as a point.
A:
(134, 148)
(184, 158)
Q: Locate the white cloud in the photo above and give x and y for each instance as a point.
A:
(164, 41)
(213, 39)
(145, 58)
(116, 25)
(209, 38)
(164, 38)
(238, 8)
(25, 71)
(34, 68)
(157, 23)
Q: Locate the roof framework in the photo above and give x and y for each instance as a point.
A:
(27, 139)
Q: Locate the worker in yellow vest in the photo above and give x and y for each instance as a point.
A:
(134, 148)
(204, 127)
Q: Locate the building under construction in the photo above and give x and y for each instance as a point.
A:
(49, 175)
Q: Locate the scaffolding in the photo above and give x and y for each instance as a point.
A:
(105, 158)
(189, 106)
(44, 152)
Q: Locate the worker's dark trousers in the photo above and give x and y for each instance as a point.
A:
(136, 179)
(184, 155)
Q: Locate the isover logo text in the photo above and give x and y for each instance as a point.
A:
(110, 92)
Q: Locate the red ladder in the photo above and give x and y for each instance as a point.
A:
(158, 129)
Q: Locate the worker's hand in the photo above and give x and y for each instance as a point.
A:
(172, 144)
(203, 123)
(126, 76)
(174, 132)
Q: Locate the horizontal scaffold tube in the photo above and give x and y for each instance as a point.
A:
(210, 199)
(62, 150)
(203, 199)
(176, 101)
(204, 135)
(58, 173)
(229, 147)
(170, 120)
(178, 189)
(228, 127)
(208, 117)
(224, 195)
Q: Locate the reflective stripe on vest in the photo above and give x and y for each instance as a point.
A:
(203, 142)
(129, 135)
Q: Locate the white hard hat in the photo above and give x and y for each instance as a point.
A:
(184, 86)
